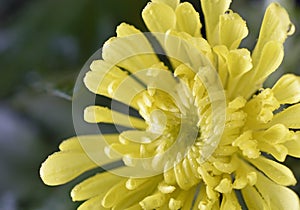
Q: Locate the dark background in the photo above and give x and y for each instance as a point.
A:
(43, 45)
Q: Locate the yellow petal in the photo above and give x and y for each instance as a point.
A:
(277, 196)
(288, 117)
(276, 134)
(247, 144)
(71, 144)
(165, 188)
(92, 204)
(182, 178)
(199, 43)
(134, 207)
(253, 198)
(111, 197)
(175, 204)
(187, 19)
(260, 109)
(108, 80)
(169, 177)
(171, 3)
(91, 142)
(159, 17)
(277, 172)
(132, 53)
(270, 59)
(185, 73)
(212, 9)
(130, 149)
(207, 178)
(287, 89)
(278, 151)
(222, 52)
(226, 167)
(293, 146)
(244, 178)
(94, 186)
(125, 29)
(132, 197)
(102, 76)
(138, 136)
(230, 201)
(153, 201)
(134, 183)
(225, 186)
(183, 200)
(232, 30)
(276, 26)
(239, 62)
(97, 114)
(61, 167)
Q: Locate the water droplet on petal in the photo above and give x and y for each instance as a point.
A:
(291, 29)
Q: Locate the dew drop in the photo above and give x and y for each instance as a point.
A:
(291, 29)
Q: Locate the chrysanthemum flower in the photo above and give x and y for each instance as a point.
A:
(203, 148)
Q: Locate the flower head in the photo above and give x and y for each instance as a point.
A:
(207, 134)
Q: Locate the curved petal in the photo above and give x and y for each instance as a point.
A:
(239, 62)
(277, 172)
(270, 58)
(97, 114)
(171, 3)
(62, 167)
(94, 186)
(274, 135)
(287, 89)
(293, 146)
(159, 17)
(212, 10)
(74, 144)
(230, 201)
(253, 198)
(288, 117)
(104, 78)
(187, 19)
(277, 196)
(233, 30)
(276, 26)
(125, 29)
(154, 201)
(132, 52)
(93, 204)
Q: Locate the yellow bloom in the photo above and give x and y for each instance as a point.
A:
(208, 135)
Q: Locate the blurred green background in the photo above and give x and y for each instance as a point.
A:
(43, 45)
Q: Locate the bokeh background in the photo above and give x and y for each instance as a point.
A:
(43, 45)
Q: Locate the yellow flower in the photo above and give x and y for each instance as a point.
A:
(208, 135)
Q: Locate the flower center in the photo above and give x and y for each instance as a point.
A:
(178, 119)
